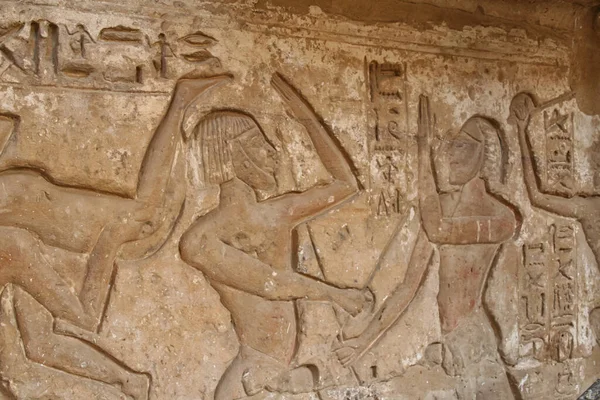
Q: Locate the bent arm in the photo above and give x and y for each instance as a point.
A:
(427, 187)
(232, 267)
(161, 150)
(554, 204)
(395, 305)
(344, 184)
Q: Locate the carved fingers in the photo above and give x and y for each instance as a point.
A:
(425, 121)
(348, 351)
(521, 108)
(353, 300)
(284, 89)
(137, 224)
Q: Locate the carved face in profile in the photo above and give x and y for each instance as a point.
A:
(232, 145)
(253, 159)
(464, 155)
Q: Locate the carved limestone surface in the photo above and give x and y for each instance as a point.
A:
(288, 200)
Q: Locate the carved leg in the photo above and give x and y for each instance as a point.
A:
(11, 356)
(22, 264)
(68, 354)
(230, 385)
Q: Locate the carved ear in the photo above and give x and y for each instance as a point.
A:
(9, 123)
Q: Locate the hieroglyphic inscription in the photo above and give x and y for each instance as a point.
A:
(566, 384)
(49, 53)
(388, 138)
(564, 307)
(534, 288)
(548, 296)
(555, 381)
(558, 128)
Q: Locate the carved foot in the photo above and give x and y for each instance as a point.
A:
(302, 379)
(137, 386)
(66, 328)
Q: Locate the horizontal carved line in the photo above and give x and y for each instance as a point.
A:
(83, 89)
(557, 58)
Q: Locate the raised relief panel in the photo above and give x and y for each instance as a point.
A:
(291, 220)
(559, 130)
(533, 299)
(388, 140)
(70, 55)
(549, 296)
(554, 122)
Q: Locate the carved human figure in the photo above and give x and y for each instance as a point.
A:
(87, 222)
(165, 51)
(586, 209)
(468, 224)
(80, 40)
(244, 246)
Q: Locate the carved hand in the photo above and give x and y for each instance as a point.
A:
(187, 89)
(348, 351)
(283, 88)
(137, 224)
(290, 96)
(352, 300)
(425, 123)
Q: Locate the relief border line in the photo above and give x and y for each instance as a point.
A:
(82, 89)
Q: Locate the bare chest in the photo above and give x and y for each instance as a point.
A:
(259, 235)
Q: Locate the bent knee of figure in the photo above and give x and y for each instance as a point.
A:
(35, 324)
(16, 241)
(16, 249)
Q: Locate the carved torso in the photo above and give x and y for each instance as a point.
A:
(464, 268)
(258, 230)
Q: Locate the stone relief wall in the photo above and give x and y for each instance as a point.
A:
(221, 201)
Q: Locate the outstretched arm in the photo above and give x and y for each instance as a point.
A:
(555, 204)
(394, 307)
(227, 265)
(427, 188)
(161, 150)
(318, 199)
